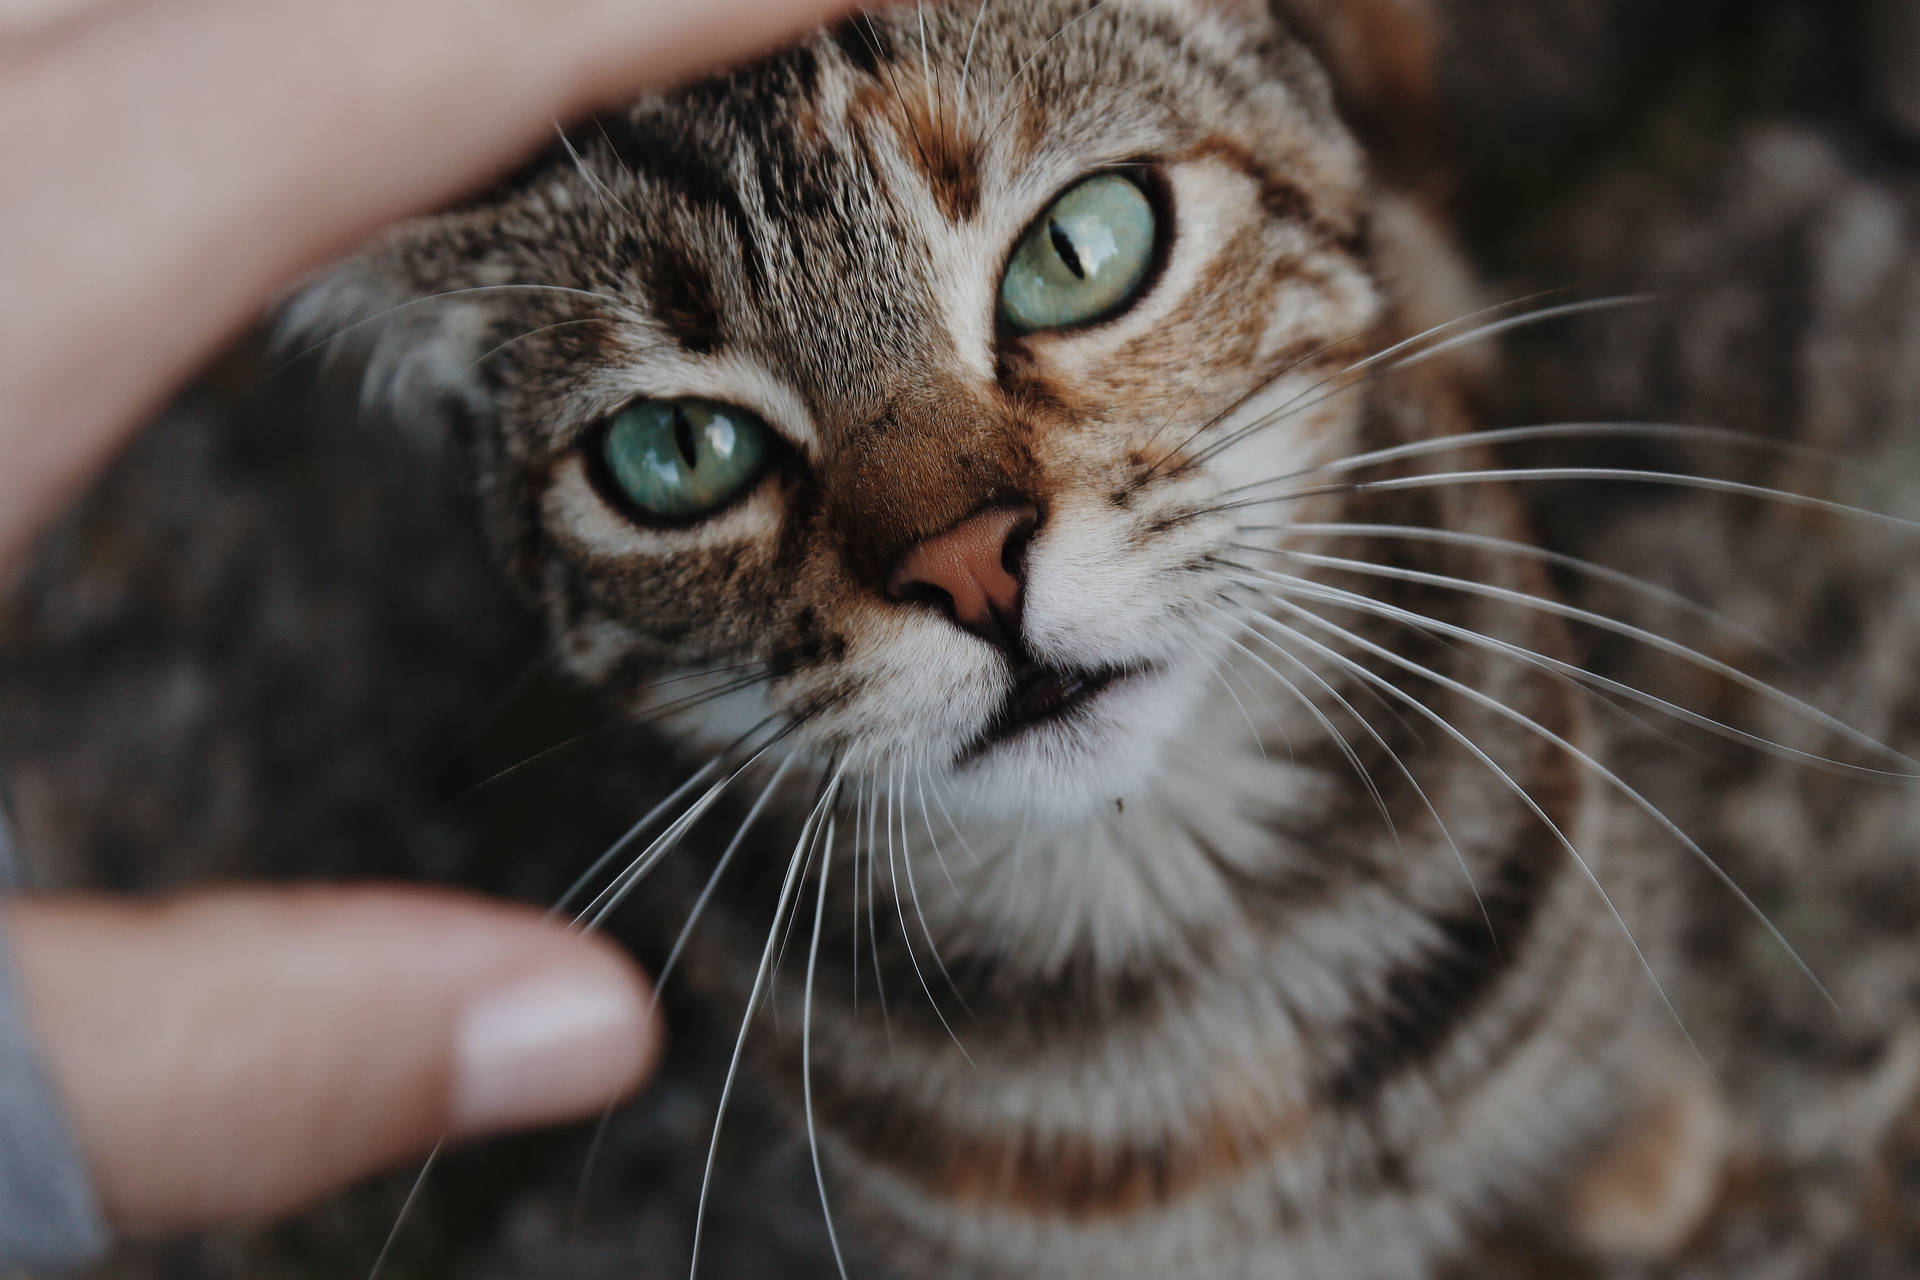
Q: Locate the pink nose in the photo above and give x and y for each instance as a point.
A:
(976, 567)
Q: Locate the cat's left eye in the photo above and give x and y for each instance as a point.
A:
(1084, 260)
(678, 460)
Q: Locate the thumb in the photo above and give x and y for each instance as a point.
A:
(230, 1056)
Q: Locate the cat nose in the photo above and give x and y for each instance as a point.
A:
(975, 569)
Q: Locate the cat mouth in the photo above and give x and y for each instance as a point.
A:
(1041, 694)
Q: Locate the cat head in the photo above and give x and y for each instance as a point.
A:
(898, 380)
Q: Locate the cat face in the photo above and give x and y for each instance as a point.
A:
(873, 379)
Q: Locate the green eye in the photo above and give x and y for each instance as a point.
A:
(680, 459)
(1084, 259)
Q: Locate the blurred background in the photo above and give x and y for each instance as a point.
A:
(269, 645)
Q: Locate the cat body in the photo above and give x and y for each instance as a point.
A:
(1215, 907)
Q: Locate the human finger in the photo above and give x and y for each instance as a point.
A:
(229, 1056)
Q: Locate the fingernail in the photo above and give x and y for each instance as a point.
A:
(546, 1049)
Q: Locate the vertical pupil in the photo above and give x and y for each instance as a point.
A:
(1063, 245)
(683, 437)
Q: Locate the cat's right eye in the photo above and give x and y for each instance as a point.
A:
(678, 460)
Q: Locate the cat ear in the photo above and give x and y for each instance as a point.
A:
(416, 348)
(1384, 59)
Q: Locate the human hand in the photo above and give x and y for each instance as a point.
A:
(168, 166)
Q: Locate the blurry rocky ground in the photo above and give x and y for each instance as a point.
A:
(269, 645)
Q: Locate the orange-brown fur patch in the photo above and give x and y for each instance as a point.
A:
(1067, 1175)
(946, 156)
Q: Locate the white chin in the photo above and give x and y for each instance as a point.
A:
(1111, 748)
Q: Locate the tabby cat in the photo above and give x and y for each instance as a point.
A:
(1027, 451)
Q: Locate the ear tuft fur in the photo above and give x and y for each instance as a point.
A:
(415, 353)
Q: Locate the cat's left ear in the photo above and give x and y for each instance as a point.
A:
(1383, 57)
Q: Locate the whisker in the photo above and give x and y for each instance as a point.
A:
(873, 928)
(1601, 621)
(926, 820)
(1333, 733)
(660, 980)
(1526, 550)
(1033, 57)
(507, 696)
(608, 200)
(859, 801)
(623, 724)
(1671, 431)
(913, 894)
(1623, 475)
(1506, 779)
(610, 898)
(760, 979)
(806, 1049)
(620, 846)
(406, 1210)
(1399, 764)
(906, 938)
(1267, 383)
(1346, 747)
(1389, 360)
(1589, 681)
(1614, 780)
(939, 802)
(1221, 675)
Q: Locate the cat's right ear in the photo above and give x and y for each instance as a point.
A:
(416, 347)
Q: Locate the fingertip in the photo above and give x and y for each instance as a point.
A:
(563, 1041)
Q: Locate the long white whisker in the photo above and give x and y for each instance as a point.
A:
(1506, 779)
(406, 1210)
(1339, 739)
(605, 860)
(806, 1051)
(1673, 431)
(1399, 764)
(592, 1159)
(1601, 621)
(926, 931)
(1526, 550)
(1580, 676)
(940, 803)
(610, 898)
(873, 928)
(607, 199)
(926, 820)
(899, 902)
(1612, 779)
(760, 979)
(1362, 371)
(1623, 475)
